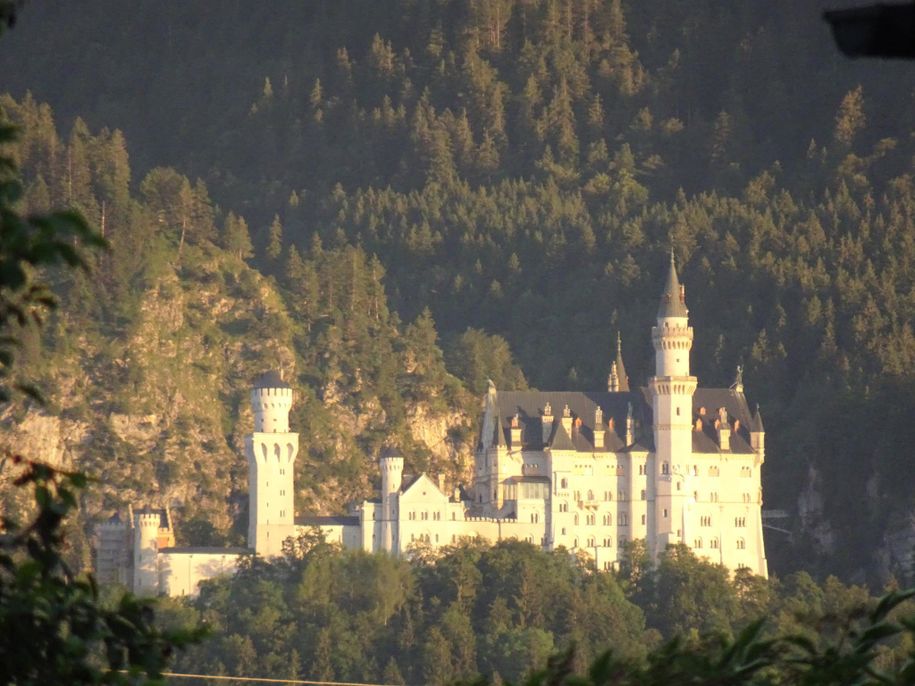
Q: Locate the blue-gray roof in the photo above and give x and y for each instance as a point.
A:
(673, 303)
(271, 379)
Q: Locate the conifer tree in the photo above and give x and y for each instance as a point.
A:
(235, 237)
(274, 239)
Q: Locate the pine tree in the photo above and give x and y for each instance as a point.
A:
(274, 239)
(235, 237)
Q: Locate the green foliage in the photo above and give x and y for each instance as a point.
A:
(476, 613)
(26, 245)
(55, 628)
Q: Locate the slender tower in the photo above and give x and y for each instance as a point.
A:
(271, 452)
(671, 390)
(391, 464)
(145, 552)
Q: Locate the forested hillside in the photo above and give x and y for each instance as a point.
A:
(520, 168)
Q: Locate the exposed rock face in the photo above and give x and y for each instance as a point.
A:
(156, 407)
(437, 432)
(45, 438)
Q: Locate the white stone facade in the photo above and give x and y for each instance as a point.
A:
(668, 464)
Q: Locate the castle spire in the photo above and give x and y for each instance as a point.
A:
(673, 297)
(618, 381)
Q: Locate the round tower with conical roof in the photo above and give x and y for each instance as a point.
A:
(271, 451)
(671, 389)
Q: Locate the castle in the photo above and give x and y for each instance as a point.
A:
(669, 464)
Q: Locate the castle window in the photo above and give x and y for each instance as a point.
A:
(643, 520)
(590, 520)
(643, 494)
(713, 496)
(746, 497)
(665, 513)
(621, 494)
(563, 531)
(705, 520)
(576, 520)
(697, 543)
(641, 470)
(623, 519)
(713, 470)
(564, 483)
(678, 409)
(713, 543)
(665, 468)
(590, 541)
(608, 495)
(453, 516)
(740, 522)
(590, 495)
(741, 544)
(608, 520)
(608, 542)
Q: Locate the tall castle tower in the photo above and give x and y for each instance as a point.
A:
(671, 390)
(271, 452)
(391, 481)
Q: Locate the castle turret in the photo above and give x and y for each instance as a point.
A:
(146, 551)
(391, 464)
(672, 389)
(271, 450)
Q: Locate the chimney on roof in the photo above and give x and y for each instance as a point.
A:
(516, 431)
(598, 427)
(724, 429)
(567, 419)
(547, 422)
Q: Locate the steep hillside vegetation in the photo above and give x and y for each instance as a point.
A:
(517, 167)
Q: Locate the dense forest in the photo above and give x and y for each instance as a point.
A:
(398, 200)
(499, 612)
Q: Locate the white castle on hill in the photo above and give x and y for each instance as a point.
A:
(670, 463)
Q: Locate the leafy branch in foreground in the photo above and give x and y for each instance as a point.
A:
(55, 628)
